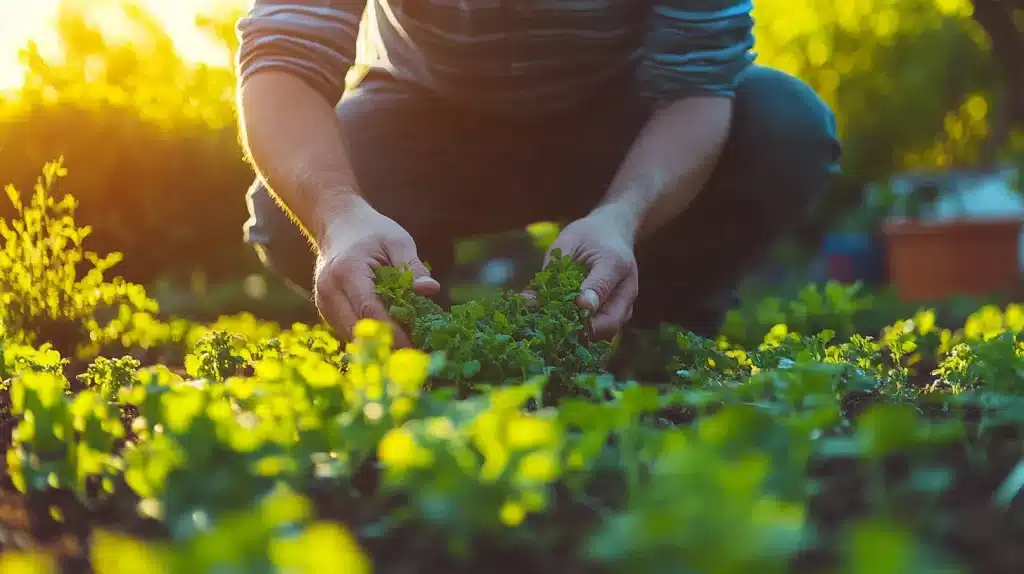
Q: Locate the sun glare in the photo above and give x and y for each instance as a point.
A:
(22, 21)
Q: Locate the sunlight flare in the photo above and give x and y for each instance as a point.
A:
(25, 22)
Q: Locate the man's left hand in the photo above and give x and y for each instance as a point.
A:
(605, 245)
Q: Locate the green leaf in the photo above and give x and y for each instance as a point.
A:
(878, 547)
(12, 195)
(887, 428)
(1011, 487)
(470, 368)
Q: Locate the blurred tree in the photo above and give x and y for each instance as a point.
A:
(149, 137)
(914, 84)
(1003, 22)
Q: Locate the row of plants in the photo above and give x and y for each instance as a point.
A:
(504, 441)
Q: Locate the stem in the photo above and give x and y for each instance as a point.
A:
(627, 437)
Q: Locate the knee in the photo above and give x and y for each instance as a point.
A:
(780, 121)
(294, 269)
(279, 243)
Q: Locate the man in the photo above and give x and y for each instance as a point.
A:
(676, 162)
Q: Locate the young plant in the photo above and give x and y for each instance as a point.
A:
(506, 337)
(53, 290)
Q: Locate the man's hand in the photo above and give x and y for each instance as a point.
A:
(353, 247)
(604, 244)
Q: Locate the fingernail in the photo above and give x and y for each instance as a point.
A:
(590, 298)
(425, 280)
(529, 298)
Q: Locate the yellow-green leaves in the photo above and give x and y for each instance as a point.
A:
(399, 451)
(504, 337)
(321, 547)
(13, 562)
(44, 295)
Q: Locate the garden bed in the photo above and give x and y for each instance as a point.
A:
(505, 441)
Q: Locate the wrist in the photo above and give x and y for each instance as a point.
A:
(336, 205)
(619, 217)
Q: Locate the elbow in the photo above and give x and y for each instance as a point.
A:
(314, 47)
(254, 59)
(704, 54)
(667, 81)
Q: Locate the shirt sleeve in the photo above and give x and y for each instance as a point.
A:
(313, 39)
(696, 47)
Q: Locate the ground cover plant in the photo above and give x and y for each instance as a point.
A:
(505, 441)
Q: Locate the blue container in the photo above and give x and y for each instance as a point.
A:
(851, 257)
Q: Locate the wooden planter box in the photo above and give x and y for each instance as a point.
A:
(936, 260)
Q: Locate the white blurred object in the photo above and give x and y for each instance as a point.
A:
(962, 194)
(255, 286)
(497, 271)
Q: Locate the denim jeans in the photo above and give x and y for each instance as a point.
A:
(445, 173)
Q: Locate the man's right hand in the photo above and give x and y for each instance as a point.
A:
(354, 245)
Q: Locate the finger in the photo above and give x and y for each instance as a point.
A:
(335, 308)
(616, 312)
(529, 297)
(359, 290)
(562, 244)
(547, 256)
(530, 294)
(404, 252)
(605, 276)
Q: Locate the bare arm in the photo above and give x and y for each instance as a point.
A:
(293, 59)
(696, 51)
(293, 137)
(694, 55)
(292, 62)
(668, 164)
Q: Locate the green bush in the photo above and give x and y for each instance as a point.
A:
(51, 289)
(151, 137)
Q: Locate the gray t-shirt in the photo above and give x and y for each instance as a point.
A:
(505, 55)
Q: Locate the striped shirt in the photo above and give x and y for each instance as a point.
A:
(505, 55)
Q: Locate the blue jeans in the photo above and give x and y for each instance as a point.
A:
(445, 173)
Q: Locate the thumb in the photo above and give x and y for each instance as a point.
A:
(405, 253)
(599, 284)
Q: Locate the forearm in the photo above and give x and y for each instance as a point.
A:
(695, 54)
(669, 163)
(294, 139)
(292, 60)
